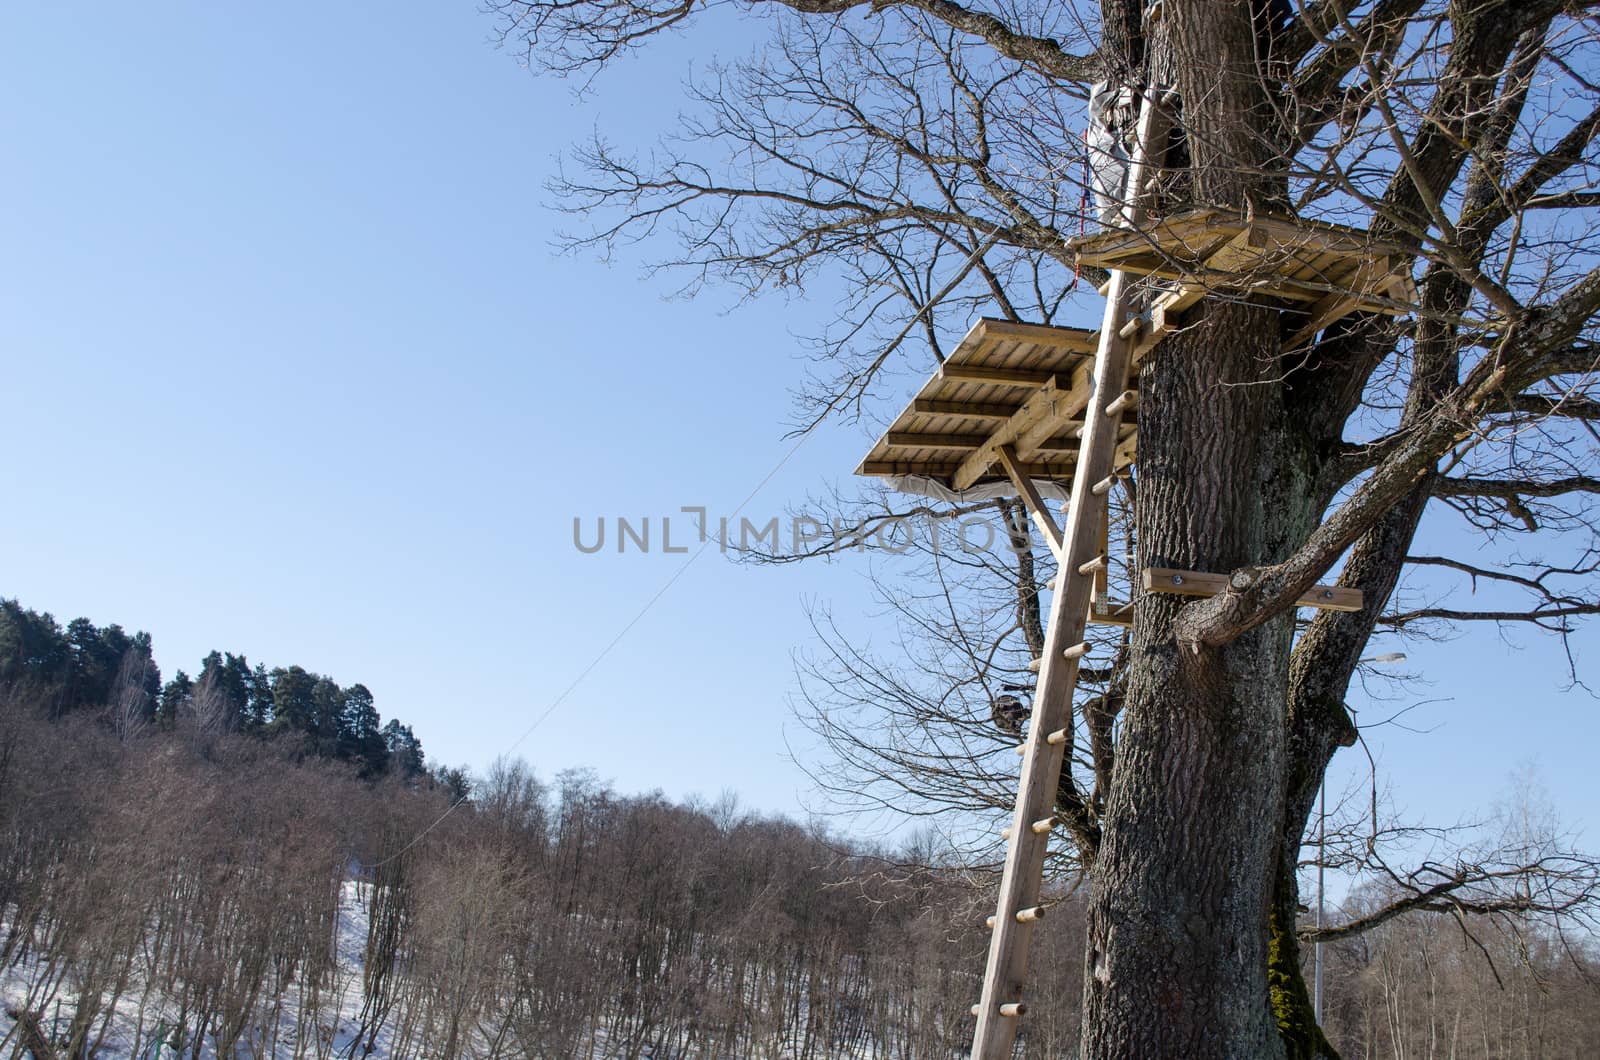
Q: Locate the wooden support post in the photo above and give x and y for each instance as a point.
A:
(1199, 583)
(1030, 497)
(1102, 571)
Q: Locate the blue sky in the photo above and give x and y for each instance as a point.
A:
(288, 367)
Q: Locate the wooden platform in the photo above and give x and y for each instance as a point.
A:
(1026, 385)
(1022, 385)
(1325, 270)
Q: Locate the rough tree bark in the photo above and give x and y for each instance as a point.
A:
(1178, 921)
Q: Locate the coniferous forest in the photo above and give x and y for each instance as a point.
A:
(250, 862)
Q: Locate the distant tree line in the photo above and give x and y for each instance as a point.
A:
(191, 883)
(84, 669)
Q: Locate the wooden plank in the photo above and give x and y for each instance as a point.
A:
(1112, 614)
(1045, 411)
(1067, 443)
(1339, 303)
(918, 440)
(1200, 583)
(1288, 258)
(1170, 238)
(1033, 439)
(978, 410)
(1056, 337)
(1049, 470)
(980, 373)
(1031, 499)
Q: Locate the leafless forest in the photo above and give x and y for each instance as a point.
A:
(230, 895)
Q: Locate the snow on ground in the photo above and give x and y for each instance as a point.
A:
(141, 1025)
(137, 1022)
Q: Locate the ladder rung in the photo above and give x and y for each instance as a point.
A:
(1104, 288)
(1093, 565)
(1057, 738)
(1126, 399)
(1130, 327)
(989, 923)
(1103, 487)
(1040, 827)
(1005, 833)
(1022, 749)
(1074, 652)
(1016, 1009)
(1028, 916)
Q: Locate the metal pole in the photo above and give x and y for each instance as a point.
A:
(1322, 843)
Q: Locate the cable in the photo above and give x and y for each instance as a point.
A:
(706, 540)
(705, 543)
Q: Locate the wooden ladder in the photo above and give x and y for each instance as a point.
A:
(1079, 552)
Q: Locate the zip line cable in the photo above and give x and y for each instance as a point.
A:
(705, 542)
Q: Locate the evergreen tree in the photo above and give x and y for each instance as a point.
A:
(260, 710)
(364, 742)
(175, 699)
(327, 718)
(35, 657)
(293, 703)
(405, 750)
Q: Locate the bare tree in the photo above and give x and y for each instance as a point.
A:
(899, 144)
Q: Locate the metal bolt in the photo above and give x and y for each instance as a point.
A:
(1177, 579)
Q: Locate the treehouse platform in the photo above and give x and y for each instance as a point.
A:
(1018, 391)
(1325, 271)
(1020, 385)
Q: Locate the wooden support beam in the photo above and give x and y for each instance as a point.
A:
(979, 373)
(1200, 583)
(1041, 469)
(1072, 340)
(976, 409)
(1109, 615)
(1102, 569)
(916, 440)
(1031, 498)
(1031, 439)
(1339, 303)
(1040, 417)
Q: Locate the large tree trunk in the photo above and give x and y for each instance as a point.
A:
(1179, 927)
(1178, 922)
